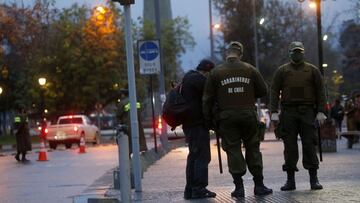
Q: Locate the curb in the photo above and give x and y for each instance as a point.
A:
(147, 159)
(7, 147)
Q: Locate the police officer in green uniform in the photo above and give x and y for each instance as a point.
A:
(300, 86)
(123, 115)
(232, 89)
(23, 141)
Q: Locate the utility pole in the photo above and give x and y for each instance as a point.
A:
(211, 33)
(256, 52)
(163, 135)
(319, 33)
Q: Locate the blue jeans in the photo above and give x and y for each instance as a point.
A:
(198, 158)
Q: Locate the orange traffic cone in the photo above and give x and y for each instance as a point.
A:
(42, 153)
(82, 145)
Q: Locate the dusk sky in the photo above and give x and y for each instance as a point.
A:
(197, 13)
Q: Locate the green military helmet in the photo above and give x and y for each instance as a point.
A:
(234, 50)
(296, 46)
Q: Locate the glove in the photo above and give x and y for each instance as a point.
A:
(320, 117)
(275, 116)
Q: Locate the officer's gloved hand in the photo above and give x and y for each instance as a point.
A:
(275, 116)
(320, 117)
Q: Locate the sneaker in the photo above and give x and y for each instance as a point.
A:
(202, 193)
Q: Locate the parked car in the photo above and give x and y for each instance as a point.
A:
(69, 129)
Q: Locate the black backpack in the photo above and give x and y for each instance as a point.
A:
(176, 108)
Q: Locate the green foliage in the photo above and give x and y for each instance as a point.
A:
(349, 40)
(284, 22)
(79, 50)
(80, 55)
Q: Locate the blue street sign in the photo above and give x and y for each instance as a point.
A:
(149, 51)
(149, 57)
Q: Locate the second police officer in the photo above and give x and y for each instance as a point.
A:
(232, 89)
(299, 85)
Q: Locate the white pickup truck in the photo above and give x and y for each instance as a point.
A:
(69, 130)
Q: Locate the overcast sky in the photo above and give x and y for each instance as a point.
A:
(197, 13)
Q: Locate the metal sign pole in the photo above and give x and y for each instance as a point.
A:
(132, 96)
(153, 112)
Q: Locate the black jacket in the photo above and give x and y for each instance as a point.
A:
(192, 90)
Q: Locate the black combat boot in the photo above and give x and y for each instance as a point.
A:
(239, 186)
(260, 189)
(290, 182)
(314, 182)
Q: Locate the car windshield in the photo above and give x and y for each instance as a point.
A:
(70, 121)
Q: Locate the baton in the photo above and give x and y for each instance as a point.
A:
(320, 147)
(219, 151)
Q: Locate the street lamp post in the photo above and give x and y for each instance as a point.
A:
(42, 83)
(132, 93)
(256, 57)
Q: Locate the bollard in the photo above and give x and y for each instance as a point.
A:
(124, 164)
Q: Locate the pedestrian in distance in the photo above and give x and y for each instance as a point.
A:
(23, 141)
(300, 86)
(352, 110)
(337, 113)
(196, 133)
(232, 89)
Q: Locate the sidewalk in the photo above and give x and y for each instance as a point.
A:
(164, 181)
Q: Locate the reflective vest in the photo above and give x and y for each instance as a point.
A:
(127, 106)
(17, 119)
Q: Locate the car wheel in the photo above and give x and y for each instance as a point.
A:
(52, 145)
(68, 145)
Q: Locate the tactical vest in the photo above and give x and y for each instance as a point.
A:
(235, 86)
(298, 84)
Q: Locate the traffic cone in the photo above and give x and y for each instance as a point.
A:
(82, 145)
(42, 153)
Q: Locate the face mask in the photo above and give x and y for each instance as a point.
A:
(297, 56)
